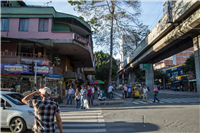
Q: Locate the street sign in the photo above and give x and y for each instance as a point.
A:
(144, 66)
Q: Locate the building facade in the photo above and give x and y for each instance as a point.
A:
(177, 59)
(57, 45)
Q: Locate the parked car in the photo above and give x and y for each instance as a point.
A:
(14, 114)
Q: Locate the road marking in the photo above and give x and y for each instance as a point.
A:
(81, 130)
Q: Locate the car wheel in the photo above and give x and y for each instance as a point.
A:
(18, 125)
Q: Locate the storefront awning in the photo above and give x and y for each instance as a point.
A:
(192, 80)
(180, 81)
(70, 75)
(89, 70)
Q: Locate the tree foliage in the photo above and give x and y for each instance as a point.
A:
(139, 74)
(110, 20)
(190, 64)
(102, 61)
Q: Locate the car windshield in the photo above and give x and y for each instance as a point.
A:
(15, 98)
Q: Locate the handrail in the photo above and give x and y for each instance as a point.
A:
(23, 54)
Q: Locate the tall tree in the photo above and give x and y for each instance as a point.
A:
(102, 61)
(190, 64)
(110, 20)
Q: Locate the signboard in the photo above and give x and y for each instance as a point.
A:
(16, 68)
(9, 74)
(42, 69)
(145, 66)
(80, 39)
(54, 76)
(30, 61)
(51, 70)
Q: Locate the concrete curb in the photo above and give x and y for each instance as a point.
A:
(97, 104)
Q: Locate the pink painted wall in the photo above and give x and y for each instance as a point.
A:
(33, 31)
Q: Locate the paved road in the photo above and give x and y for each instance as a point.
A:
(174, 113)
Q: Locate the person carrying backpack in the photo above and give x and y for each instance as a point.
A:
(89, 95)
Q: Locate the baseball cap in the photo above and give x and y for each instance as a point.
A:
(45, 90)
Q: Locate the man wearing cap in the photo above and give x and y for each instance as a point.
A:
(45, 110)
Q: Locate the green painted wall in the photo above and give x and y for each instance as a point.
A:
(15, 3)
(37, 12)
(60, 27)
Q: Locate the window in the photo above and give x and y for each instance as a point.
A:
(23, 24)
(4, 24)
(6, 103)
(15, 98)
(43, 24)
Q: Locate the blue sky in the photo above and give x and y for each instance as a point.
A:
(150, 15)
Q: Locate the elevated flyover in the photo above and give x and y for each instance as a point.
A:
(178, 30)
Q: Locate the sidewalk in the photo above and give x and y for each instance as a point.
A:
(179, 92)
(96, 102)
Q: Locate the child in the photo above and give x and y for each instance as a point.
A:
(77, 98)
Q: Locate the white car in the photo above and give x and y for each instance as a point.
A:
(14, 114)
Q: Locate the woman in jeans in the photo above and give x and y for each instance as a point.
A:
(77, 98)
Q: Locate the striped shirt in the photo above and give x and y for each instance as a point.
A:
(83, 93)
(45, 110)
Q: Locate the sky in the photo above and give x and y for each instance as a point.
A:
(152, 11)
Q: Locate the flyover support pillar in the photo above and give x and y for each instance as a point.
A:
(196, 43)
(131, 78)
(149, 77)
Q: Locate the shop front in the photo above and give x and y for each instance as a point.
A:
(9, 81)
(54, 82)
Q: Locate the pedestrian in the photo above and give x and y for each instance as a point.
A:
(77, 98)
(129, 91)
(110, 94)
(98, 90)
(155, 93)
(125, 90)
(178, 88)
(140, 92)
(89, 95)
(93, 92)
(70, 95)
(145, 93)
(148, 88)
(83, 96)
(45, 110)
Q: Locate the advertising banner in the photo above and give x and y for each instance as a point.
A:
(30, 61)
(16, 68)
(42, 69)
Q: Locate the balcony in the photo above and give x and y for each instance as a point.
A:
(8, 54)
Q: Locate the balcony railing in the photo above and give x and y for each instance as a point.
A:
(23, 54)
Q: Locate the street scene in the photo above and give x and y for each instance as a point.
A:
(100, 66)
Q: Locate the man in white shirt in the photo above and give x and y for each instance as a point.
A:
(70, 94)
(93, 92)
(110, 92)
(145, 92)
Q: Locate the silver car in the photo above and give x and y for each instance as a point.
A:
(14, 114)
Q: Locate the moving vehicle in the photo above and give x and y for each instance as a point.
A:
(14, 114)
(135, 92)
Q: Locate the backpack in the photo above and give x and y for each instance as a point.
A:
(89, 92)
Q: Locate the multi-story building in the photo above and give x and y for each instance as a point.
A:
(60, 43)
(177, 59)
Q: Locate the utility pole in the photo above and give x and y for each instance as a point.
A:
(35, 74)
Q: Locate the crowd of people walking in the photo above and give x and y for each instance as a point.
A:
(139, 91)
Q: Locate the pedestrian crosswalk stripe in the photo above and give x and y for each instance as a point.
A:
(88, 120)
(96, 116)
(81, 130)
(169, 100)
(83, 125)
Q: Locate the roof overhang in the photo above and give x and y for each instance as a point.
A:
(89, 70)
(79, 54)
